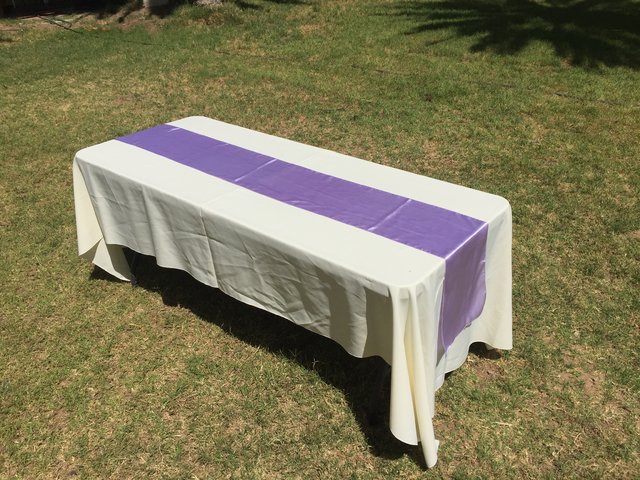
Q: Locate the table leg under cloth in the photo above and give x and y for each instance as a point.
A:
(367, 292)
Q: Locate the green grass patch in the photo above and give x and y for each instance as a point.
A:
(536, 101)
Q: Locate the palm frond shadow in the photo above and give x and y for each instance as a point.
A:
(585, 33)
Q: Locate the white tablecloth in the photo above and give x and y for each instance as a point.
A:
(372, 295)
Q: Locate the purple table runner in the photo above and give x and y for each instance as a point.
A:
(458, 239)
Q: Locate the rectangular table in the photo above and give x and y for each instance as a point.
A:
(383, 261)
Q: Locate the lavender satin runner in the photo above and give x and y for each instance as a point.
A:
(459, 239)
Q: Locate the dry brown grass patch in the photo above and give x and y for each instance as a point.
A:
(311, 28)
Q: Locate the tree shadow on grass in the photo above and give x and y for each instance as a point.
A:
(101, 8)
(104, 8)
(586, 33)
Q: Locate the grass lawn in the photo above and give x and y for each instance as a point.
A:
(536, 101)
